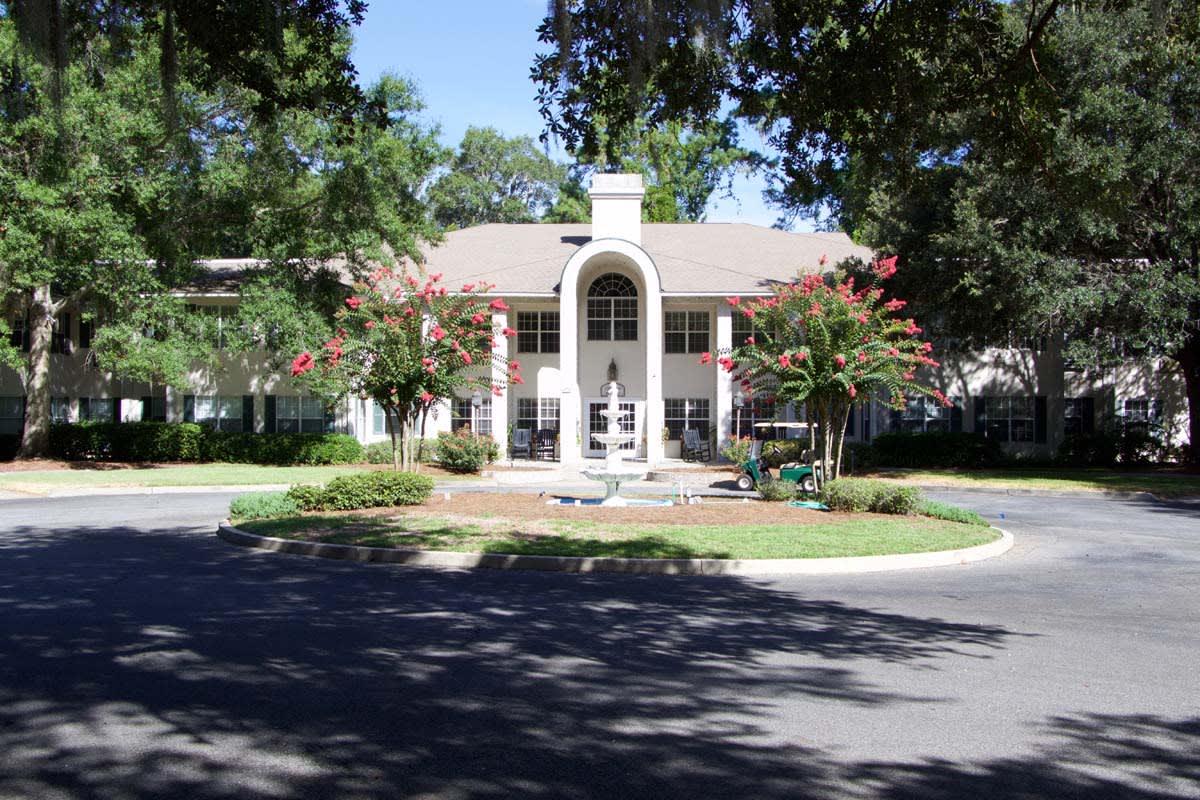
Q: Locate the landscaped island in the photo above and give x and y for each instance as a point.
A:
(525, 525)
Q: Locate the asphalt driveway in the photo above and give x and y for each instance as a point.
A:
(141, 657)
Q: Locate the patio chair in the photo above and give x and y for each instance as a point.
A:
(521, 443)
(546, 440)
(694, 448)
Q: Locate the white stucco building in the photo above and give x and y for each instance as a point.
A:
(643, 301)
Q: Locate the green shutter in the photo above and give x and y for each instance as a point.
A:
(269, 414)
(329, 420)
(956, 418)
(147, 408)
(247, 413)
(1088, 412)
(980, 416)
(189, 408)
(1039, 420)
(116, 409)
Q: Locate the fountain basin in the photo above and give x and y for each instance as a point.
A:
(599, 501)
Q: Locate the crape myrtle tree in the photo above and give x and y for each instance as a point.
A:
(407, 342)
(825, 345)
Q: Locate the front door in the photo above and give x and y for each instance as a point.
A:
(630, 423)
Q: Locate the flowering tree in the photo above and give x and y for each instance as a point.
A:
(825, 345)
(407, 342)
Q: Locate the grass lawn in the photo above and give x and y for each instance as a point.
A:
(1167, 484)
(834, 535)
(98, 476)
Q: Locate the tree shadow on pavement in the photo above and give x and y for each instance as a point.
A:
(143, 666)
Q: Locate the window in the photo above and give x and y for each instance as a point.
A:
(60, 409)
(686, 331)
(612, 309)
(537, 331)
(537, 413)
(1009, 419)
(60, 338)
(462, 412)
(299, 414)
(680, 414)
(12, 414)
(218, 320)
(86, 329)
(924, 414)
(1141, 413)
(756, 409)
(1078, 415)
(223, 412)
(97, 409)
(19, 336)
(380, 424)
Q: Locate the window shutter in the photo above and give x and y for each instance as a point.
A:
(1088, 412)
(980, 415)
(116, 409)
(956, 418)
(269, 414)
(866, 417)
(189, 408)
(1039, 419)
(851, 419)
(329, 421)
(147, 408)
(894, 420)
(85, 333)
(85, 408)
(247, 413)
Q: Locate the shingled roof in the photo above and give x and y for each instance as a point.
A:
(702, 258)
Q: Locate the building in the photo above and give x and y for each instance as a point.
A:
(641, 302)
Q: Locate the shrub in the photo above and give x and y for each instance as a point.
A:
(936, 449)
(282, 448)
(376, 489)
(262, 505)
(307, 498)
(379, 453)
(9, 444)
(858, 456)
(931, 508)
(127, 441)
(736, 451)
(880, 497)
(462, 451)
(776, 490)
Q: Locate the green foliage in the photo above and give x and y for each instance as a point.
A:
(495, 179)
(262, 505)
(367, 490)
(859, 456)
(8, 446)
(307, 498)
(776, 490)
(736, 451)
(282, 448)
(128, 441)
(784, 451)
(932, 508)
(936, 449)
(463, 451)
(379, 453)
(861, 495)
(169, 441)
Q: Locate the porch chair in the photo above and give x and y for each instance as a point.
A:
(521, 443)
(694, 448)
(546, 439)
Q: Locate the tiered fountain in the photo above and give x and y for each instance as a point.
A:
(615, 471)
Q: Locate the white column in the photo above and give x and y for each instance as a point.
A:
(570, 434)
(725, 421)
(654, 382)
(500, 376)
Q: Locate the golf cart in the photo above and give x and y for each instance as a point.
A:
(755, 468)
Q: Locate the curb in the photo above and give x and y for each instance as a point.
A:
(635, 566)
(1082, 494)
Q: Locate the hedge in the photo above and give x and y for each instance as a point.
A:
(9, 444)
(262, 505)
(186, 441)
(365, 490)
(936, 449)
(859, 495)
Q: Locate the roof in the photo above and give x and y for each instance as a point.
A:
(700, 258)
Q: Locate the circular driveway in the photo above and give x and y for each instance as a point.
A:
(141, 657)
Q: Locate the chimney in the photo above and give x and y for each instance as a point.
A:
(617, 207)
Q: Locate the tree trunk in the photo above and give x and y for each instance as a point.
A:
(393, 426)
(35, 441)
(1188, 358)
(839, 433)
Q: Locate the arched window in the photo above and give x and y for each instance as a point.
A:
(612, 309)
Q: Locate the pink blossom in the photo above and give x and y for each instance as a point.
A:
(466, 357)
(853, 392)
(514, 365)
(733, 301)
(801, 356)
(749, 340)
(885, 268)
(498, 305)
(302, 364)
(517, 379)
(908, 376)
(426, 362)
(749, 312)
(705, 358)
(894, 305)
(508, 332)
(369, 324)
(435, 277)
(840, 360)
(437, 333)
(353, 302)
(468, 287)
(785, 361)
(726, 363)
(815, 309)
(862, 357)
(426, 397)
(477, 318)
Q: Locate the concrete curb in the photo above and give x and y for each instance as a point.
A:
(636, 566)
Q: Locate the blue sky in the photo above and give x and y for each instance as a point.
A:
(471, 60)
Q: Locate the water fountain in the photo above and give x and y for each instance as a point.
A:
(615, 471)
